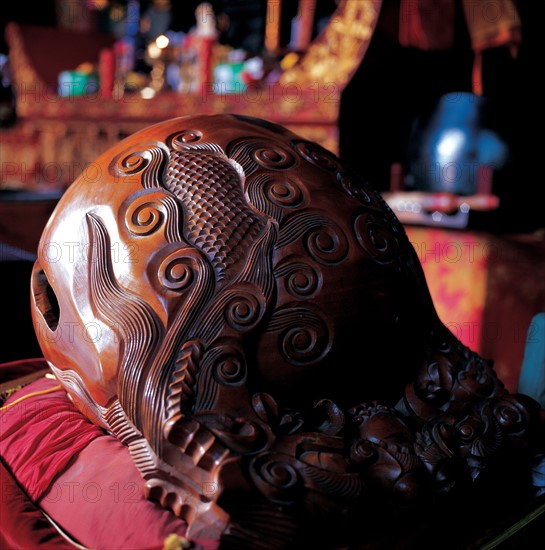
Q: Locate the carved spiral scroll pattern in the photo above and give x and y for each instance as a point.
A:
(323, 239)
(149, 162)
(375, 237)
(273, 157)
(327, 245)
(274, 193)
(511, 415)
(466, 415)
(239, 307)
(480, 437)
(476, 380)
(317, 155)
(230, 368)
(243, 310)
(452, 374)
(180, 269)
(222, 365)
(304, 335)
(355, 187)
(144, 219)
(301, 280)
(254, 152)
(150, 211)
(226, 362)
(277, 478)
(179, 140)
(316, 472)
(286, 192)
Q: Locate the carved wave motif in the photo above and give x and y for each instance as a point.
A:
(139, 327)
(323, 239)
(149, 162)
(254, 152)
(346, 486)
(73, 383)
(355, 187)
(224, 364)
(317, 155)
(275, 193)
(301, 279)
(375, 236)
(278, 477)
(287, 480)
(304, 336)
(149, 211)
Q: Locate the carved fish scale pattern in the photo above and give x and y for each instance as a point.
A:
(218, 220)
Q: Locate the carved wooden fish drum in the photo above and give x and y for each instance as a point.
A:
(249, 318)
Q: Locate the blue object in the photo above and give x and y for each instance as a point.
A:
(74, 83)
(133, 18)
(532, 373)
(448, 147)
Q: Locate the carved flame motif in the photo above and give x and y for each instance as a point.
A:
(272, 349)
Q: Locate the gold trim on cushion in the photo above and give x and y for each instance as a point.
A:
(7, 389)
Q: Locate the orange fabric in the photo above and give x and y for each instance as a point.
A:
(491, 24)
(430, 25)
(426, 24)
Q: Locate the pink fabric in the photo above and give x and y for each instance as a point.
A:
(22, 525)
(82, 477)
(100, 497)
(40, 435)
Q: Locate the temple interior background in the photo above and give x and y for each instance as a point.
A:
(432, 103)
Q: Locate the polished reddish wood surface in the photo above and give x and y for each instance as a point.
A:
(251, 320)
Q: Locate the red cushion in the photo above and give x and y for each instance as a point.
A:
(101, 483)
(82, 477)
(23, 525)
(41, 434)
